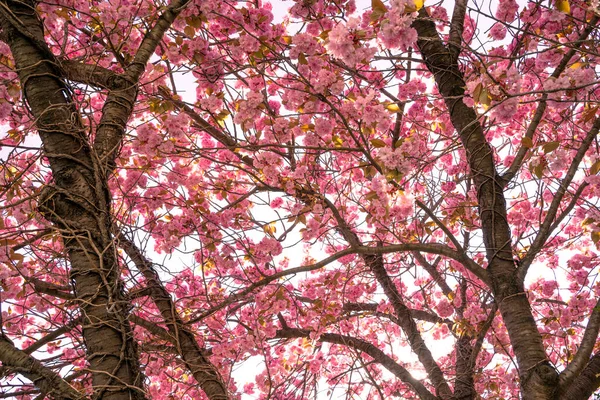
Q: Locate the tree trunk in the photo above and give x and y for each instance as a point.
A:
(77, 203)
(538, 378)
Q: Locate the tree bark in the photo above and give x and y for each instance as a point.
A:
(586, 383)
(538, 376)
(77, 203)
(195, 357)
(48, 381)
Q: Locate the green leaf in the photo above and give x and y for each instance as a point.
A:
(378, 143)
(527, 142)
(595, 168)
(302, 59)
(550, 147)
(379, 9)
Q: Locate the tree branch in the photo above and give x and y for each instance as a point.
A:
(153, 328)
(420, 315)
(548, 223)
(206, 374)
(45, 379)
(466, 260)
(433, 272)
(51, 289)
(77, 203)
(88, 74)
(586, 383)
(586, 347)
(205, 126)
(121, 99)
(358, 344)
(55, 334)
(456, 28)
(408, 325)
(537, 374)
(542, 103)
(432, 248)
(152, 39)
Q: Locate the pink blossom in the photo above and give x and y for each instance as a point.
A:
(498, 31)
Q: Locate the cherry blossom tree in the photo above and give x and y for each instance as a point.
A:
(208, 199)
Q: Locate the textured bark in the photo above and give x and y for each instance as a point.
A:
(409, 326)
(586, 383)
(195, 357)
(464, 386)
(78, 204)
(538, 377)
(48, 381)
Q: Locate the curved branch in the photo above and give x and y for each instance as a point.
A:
(417, 314)
(55, 334)
(120, 101)
(358, 344)
(465, 259)
(227, 141)
(433, 272)
(152, 39)
(432, 248)
(51, 289)
(435, 248)
(585, 349)
(542, 104)
(48, 381)
(586, 383)
(88, 74)
(408, 325)
(153, 328)
(205, 372)
(548, 224)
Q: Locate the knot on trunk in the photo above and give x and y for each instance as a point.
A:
(541, 378)
(119, 82)
(547, 374)
(49, 202)
(58, 207)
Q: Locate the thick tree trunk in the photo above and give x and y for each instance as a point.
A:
(78, 204)
(586, 383)
(538, 378)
